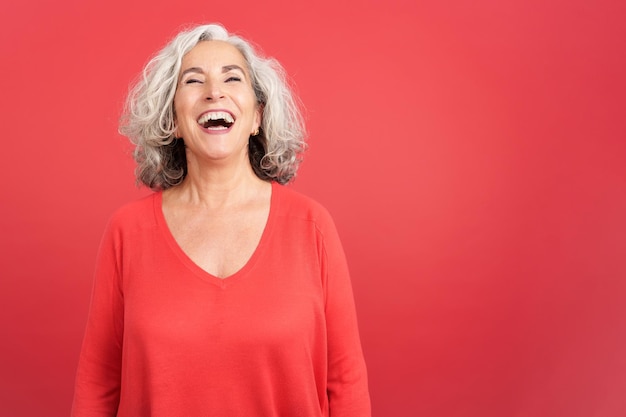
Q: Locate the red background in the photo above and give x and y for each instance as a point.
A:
(473, 154)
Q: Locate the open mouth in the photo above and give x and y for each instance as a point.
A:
(216, 120)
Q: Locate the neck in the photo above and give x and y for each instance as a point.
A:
(218, 186)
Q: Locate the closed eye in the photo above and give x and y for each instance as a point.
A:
(192, 81)
(233, 78)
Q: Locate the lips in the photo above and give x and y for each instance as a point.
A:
(216, 120)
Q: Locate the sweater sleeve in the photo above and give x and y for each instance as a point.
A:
(97, 388)
(347, 375)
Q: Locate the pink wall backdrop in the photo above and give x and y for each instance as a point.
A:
(473, 154)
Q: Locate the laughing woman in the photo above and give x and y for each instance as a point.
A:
(223, 293)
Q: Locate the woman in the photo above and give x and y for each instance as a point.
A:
(223, 293)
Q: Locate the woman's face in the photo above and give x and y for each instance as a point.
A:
(215, 107)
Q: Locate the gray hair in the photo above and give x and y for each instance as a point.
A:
(148, 117)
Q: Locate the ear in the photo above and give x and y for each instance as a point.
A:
(258, 117)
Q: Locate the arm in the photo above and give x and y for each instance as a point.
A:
(97, 388)
(347, 375)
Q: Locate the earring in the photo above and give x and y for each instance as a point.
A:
(256, 132)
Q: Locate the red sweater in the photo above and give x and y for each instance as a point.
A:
(278, 338)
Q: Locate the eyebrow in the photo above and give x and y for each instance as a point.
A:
(225, 69)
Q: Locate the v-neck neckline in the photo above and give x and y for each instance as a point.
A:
(194, 267)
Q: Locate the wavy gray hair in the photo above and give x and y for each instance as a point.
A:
(148, 117)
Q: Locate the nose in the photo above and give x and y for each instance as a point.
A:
(213, 91)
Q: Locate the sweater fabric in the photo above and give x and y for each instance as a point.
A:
(164, 338)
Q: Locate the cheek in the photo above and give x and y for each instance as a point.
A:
(180, 115)
(183, 102)
(182, 110)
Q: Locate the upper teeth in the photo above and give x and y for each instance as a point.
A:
(216, 115)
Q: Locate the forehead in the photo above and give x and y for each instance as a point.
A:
(213, 53)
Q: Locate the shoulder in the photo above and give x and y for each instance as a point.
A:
(297, 208)
(127, 223)
(297, 205)
(134, 213)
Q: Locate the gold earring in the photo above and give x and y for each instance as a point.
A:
(256, 132)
